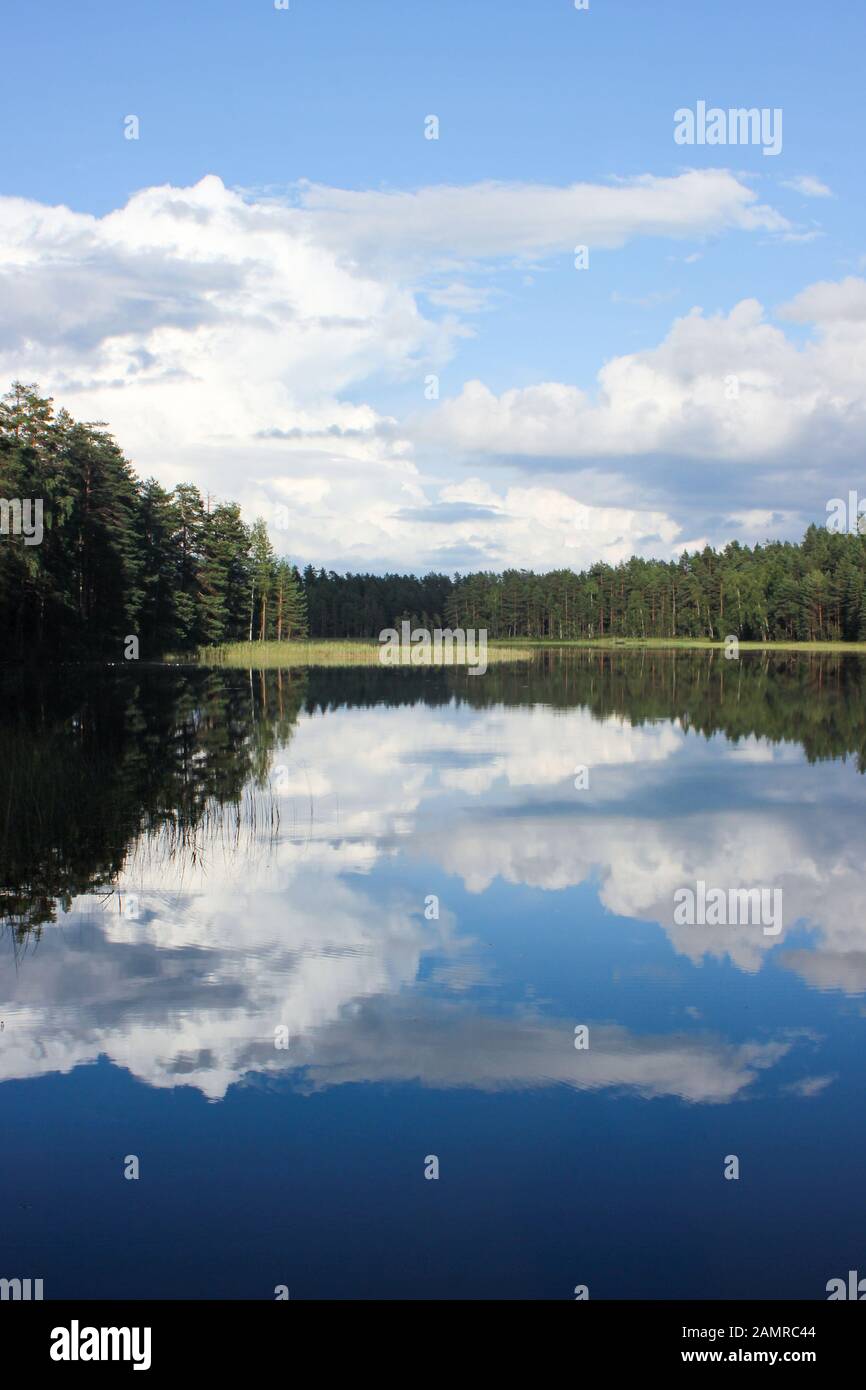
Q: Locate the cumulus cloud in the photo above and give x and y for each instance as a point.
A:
(728, 387)
(544, 527)
(234, 340)
(221, 339)
(829, 302)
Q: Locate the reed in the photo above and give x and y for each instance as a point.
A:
(268, 655)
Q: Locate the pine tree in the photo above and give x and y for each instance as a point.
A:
(224, 575)
(263, 572)
(291, 603)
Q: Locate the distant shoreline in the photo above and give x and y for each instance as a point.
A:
(365, 651)
(642, 643)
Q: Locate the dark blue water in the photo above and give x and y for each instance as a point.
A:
(194, 861)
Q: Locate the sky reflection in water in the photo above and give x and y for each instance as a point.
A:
(222, 886)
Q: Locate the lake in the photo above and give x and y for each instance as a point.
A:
(377, 980)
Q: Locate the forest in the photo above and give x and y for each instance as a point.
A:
(120, 556)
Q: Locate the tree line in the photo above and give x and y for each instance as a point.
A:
(811, 591)
(120, 556)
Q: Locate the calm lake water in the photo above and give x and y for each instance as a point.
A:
(194, 861)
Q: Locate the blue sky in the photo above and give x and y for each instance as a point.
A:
(270, 333)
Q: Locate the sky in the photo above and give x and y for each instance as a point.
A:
(225, 232)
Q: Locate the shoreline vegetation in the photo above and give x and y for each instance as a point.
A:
(367, 651)
(682, 643)
(333, 652)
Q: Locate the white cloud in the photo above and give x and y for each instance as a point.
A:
(445, 225)
(728, 387)
(230, 341)
(808, 185)
(828, 302)
(809, 1086)
(462, 298)
(218, 338)
(547, 528)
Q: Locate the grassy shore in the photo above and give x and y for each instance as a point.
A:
(685, 643)
(333, 652)
(277, 655)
